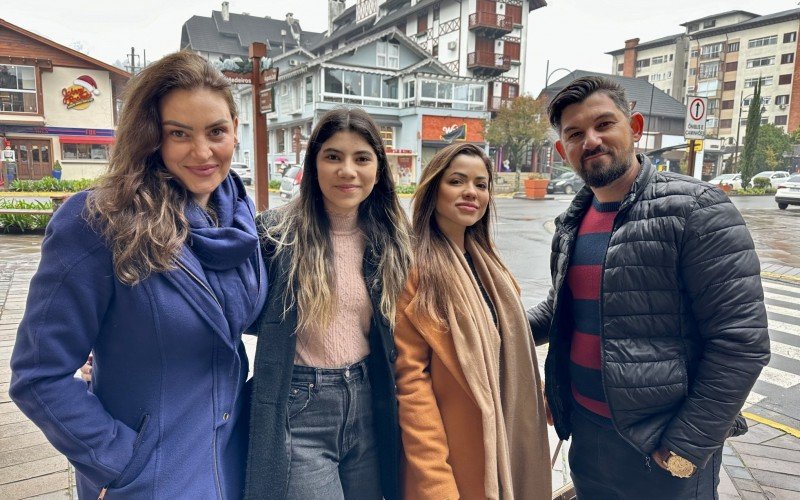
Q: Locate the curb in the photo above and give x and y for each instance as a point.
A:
(795, 280)
(771, 423)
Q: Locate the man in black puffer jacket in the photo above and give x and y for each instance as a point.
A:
(656, 319)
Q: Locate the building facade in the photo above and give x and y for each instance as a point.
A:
(724, 56)
(56, 104)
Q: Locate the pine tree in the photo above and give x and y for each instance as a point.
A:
(749, 168)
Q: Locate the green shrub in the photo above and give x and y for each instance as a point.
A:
(49, 184)
(21, 222)
(406, 189)
(761, 183)
(274, 185)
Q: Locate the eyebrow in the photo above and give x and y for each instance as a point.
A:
(334, 150)
(465, 176)
(603, 116)
(178, 124)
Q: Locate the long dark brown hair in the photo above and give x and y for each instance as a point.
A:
(304, 228)
(137, 204)
(432, 252)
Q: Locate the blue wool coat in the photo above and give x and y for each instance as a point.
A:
(166, 416)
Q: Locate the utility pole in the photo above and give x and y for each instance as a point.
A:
(133, 68)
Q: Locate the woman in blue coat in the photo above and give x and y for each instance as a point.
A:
(157, 271)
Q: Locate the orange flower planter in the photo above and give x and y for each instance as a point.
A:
(535, 188)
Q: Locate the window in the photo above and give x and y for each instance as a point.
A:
(761, 61)
(436, 94)
(18, 89)
(729, 86)
(692, 71)
(765, 100)
(671, 57)
(709, 24)
(280, 140)
(387, 134)
(620, 67)
(388, 55)
(727, 104)
(710, 70)
(694, 53)
(309, 89)
(762, 42)
(422, 23)
(642, 63)
(751, 82)
(733, 47)
(669, 75)
(782, 100)
(693, 27)
(366, 89)
(732, 66)
(435, 49)
(436, 12)
(84, 152)
(728, 123)
(657, 60)
(785, 79)
(790, 37)
(713, 104)
(787, 58)
(711, 51)
(781, 120)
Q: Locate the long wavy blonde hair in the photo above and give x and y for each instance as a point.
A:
(433, 256)
(304, 229)
(137, 205)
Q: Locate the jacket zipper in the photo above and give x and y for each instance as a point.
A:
(559, 409)
(214, 439)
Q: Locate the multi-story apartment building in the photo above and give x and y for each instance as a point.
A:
(724, 55)
(662, 62)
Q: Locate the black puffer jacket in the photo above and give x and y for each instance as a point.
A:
(684, 327)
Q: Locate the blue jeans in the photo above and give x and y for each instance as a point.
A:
(330, 435)
(604, 466)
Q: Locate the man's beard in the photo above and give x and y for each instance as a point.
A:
(604, 175)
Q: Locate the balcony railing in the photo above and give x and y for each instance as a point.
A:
(490, 23)
(710, 56)
(488, 62)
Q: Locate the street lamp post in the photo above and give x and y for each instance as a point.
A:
(549, 73)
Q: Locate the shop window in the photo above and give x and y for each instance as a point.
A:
(18, 89)
(387, 134)
(85, 152)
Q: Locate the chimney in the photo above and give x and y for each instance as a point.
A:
(629, 61)
(226, 12)
(335, 8)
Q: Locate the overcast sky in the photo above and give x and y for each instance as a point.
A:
(572, 34)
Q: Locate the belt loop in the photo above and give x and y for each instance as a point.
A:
(364, 374)
(317, 379)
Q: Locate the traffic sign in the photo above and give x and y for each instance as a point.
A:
(695, 127)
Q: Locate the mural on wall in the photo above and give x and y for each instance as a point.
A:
(454, 132)
(81, 93)
(450, 129)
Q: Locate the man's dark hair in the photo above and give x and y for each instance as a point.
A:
(579, 90)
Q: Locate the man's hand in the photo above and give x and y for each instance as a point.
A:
(86, 370)
(548, 415)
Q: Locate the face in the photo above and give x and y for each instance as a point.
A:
(347, 171)
(198, 136)
(463, 194)
(597, 139)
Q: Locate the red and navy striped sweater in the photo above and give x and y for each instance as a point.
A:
(584, 278)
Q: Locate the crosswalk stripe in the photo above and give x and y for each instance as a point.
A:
(780, 286)
(786, 350)
(782, 298)
(779, 377)
(782, 326)
(754, 398)
(781, 310)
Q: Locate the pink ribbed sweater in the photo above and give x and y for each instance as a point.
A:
(345, 341)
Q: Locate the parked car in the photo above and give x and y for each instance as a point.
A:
(776, 178)
(243, 171)
(290, 185)
(788, 193)
(733, 180)
(568, 183)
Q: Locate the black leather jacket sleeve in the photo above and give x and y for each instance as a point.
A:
(721, 275)
(540, 317)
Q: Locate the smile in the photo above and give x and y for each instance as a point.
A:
(467, 207)
(347, 188)
(203, 170)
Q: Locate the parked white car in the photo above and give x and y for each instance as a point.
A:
(734, 180)
(788, 193)
(776, 178)
(244, 172)
(290, 184)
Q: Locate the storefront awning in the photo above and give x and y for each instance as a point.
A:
(85, 139)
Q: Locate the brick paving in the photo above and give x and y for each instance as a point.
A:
(762, 464)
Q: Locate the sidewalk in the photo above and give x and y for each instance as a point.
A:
(764, 463)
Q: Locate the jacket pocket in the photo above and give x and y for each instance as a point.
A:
(143, 447)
